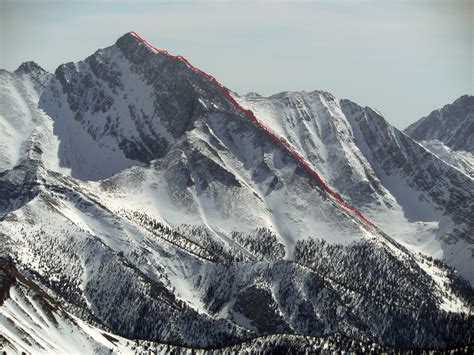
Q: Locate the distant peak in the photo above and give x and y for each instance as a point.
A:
(253, 95)
(29, 67)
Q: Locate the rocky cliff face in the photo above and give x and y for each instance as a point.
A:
(150, 207)
(449, 133)
(453, 125)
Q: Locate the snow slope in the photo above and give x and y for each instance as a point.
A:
(27, 132)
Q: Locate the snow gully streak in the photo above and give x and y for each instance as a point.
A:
(256, 121)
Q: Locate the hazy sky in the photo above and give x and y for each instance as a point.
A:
(404, 58)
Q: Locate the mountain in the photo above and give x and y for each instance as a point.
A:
(453, 125)
(153, 204)
(404, 189)
(449, 133)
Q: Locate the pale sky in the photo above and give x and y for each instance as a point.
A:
(404, 58)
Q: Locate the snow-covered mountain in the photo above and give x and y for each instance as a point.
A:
(449, 133)
(453, 125)
(138, 195)
(408, 192)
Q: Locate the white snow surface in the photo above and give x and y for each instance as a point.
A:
(24, 127)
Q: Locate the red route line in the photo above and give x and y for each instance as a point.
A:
(254, 119)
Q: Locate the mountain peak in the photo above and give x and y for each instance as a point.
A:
(451, 124)
(130, 42)
(29, 67)
(253, 95)
(136, 49)
(130, 37)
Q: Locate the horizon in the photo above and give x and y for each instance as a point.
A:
(385, 63)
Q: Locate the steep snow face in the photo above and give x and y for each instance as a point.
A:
(26, 131)
(15, 122)
(404, 189)
(453, 125)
